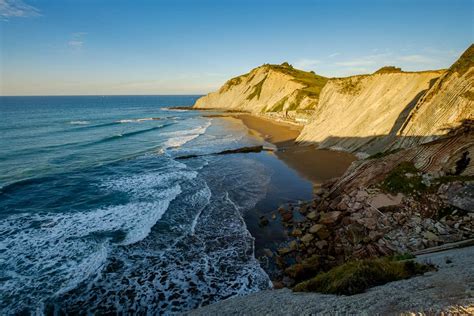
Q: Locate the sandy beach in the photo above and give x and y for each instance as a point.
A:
(316, 165)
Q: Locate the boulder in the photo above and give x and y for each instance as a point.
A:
(315, 228)
(313, 216)
(330, 218)
(306, 239)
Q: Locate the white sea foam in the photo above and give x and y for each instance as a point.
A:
(179, 138)
(79, 122)
(55, 252)
(139, 120)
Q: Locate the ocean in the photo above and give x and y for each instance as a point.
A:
(98, 215)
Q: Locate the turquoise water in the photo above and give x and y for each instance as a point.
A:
(97, 215)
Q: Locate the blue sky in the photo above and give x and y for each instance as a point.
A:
(192, 47)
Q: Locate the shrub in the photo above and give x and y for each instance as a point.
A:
(404, 178)
(356, 276)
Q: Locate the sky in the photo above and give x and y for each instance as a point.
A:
(104, 47)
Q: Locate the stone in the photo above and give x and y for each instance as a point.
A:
(296, 232)
(263, 221)
(278, 285)
(369, 222)
(284, 251)
(361, 196)
(313, 215)
(293, 245)
(323, 233)
(321, 244)
(330, 217)
(356, 206)
(430, 236)
(306, 239)
(287, 216)
(268, 252)
(315, 228)
(342, 206)
(461, 196)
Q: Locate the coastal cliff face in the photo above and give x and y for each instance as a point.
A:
(267, 89)
(365, 114)
(449, 101)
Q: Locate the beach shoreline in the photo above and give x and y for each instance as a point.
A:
(311, 163)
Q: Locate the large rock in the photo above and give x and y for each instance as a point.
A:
(330, 218)
(461, 196)
(306, 239)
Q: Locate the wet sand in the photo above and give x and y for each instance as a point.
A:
(316, 165)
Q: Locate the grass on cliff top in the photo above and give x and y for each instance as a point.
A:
(313, 83)
(388, 69)
(356, 276)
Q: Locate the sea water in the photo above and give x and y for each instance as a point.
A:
(98, 215)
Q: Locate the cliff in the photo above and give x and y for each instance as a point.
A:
(449, 101)
(367, 114)
(364, 113)
(267, 89)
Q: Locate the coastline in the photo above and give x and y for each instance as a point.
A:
(311, 163)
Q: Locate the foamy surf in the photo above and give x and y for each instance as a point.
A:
(139, 120)
(180, 138)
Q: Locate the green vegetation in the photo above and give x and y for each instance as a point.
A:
(351, 85)
(279, 105)
(356, 276)
(305, 270)
(388, 69)
(233, 82)
(466, 61)
(404, 178)
(313, 84)
(257, 89)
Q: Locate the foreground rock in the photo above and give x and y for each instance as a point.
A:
(449, 290)
(387, 205)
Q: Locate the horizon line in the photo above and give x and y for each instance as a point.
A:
(102, 95)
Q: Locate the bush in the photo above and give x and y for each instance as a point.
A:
(356, 276)
(404, 178)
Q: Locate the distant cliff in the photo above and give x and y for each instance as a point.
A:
(267, 89)
(388, 109)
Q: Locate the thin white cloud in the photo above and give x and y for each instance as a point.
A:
(419, 59)
(75, 44)
(307, 63)
(334, 55)
(77, 40)
(17, 8)
(356, 63)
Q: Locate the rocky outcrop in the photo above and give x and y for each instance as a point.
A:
(269, 88)
(402, 202)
